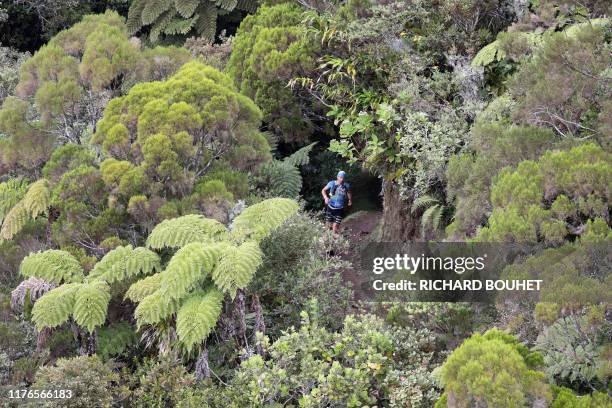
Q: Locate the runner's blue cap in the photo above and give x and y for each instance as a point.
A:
(341, 173)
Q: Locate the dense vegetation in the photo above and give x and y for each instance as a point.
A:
(160, 162)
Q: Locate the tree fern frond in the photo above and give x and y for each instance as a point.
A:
(436, 217)
(282, 179)
(91, 304)
(300, 157)
(11, 192)
(250, 6)
(259, 220)
(429, 215)
(228, 5)
(177, 232)
(55, 306)
(37, 199)
(134, 17)
(188, 266)
(237, 267)
(179, 26)
(206, 24)
(154, 308)
(53, 266)
(158, 27)
(186, 8)
(32, 289)
(489, 53)
(34, 202)
(125, 262)
(423, 202)
(198, 316)
(153, 9)
(143, 288)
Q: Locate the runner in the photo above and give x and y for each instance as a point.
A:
(339, 196)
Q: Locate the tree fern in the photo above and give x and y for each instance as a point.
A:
(154, 308)
(489, 53)
(153, 9)
(159, 26)
(52, 266)
(300, 157)
(134, 21)
(125, 262)
(250, 6)
(206, 24)
(186, 8)
(11, 192)
(55, 306)
(143, 288)
(198, 316)
(177, 232)
(190, 265)
(237, 267)
(258, 221)
(227, 5)
(282, 179)
(432, 214)
(179, 26)
(91, 304)
(34, 203)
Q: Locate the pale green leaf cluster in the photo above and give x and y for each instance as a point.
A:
(34, 203)
(259, 220)
(91, 303)
(55, 307)
(143, 288)
(198, 316)
(125, 262)
(282, 177)
(11, 192)
(178, 232)
(52, 266)
(237, 266)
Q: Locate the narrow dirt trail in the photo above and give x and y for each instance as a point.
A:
(358, 229)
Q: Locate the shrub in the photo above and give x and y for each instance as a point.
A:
(92, 382)
(492, 370)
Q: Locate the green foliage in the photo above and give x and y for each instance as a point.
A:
(312, 367)
(521, 198)
(174, 131)
(125, 262)
(181, 17)
(197, 316)
(259, 220)
(56, 306)
(565, 398)
(578, 57)
(143, 288)
(270, 49)
(11, 192)
(92, 383)
(188, 267)
(236, 267)
(282, 178)
(52, 266)
(433, 212)
(574, 354)
(34, 203)
(490, 370)
(178, 232)
(67, 83)
(115, 339)
(493, 146)
(91, 304)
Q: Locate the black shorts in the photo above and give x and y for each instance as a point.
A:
(334, 215)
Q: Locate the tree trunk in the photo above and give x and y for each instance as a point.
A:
(87, 346)
(42, 337)
(260, 325)
(202, 369)
(399, 225)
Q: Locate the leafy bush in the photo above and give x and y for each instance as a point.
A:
(92, 382)
(575, 353)
(360, 365)
(492, 370)
(271, 48)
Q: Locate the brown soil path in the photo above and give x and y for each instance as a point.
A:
(358, 229)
